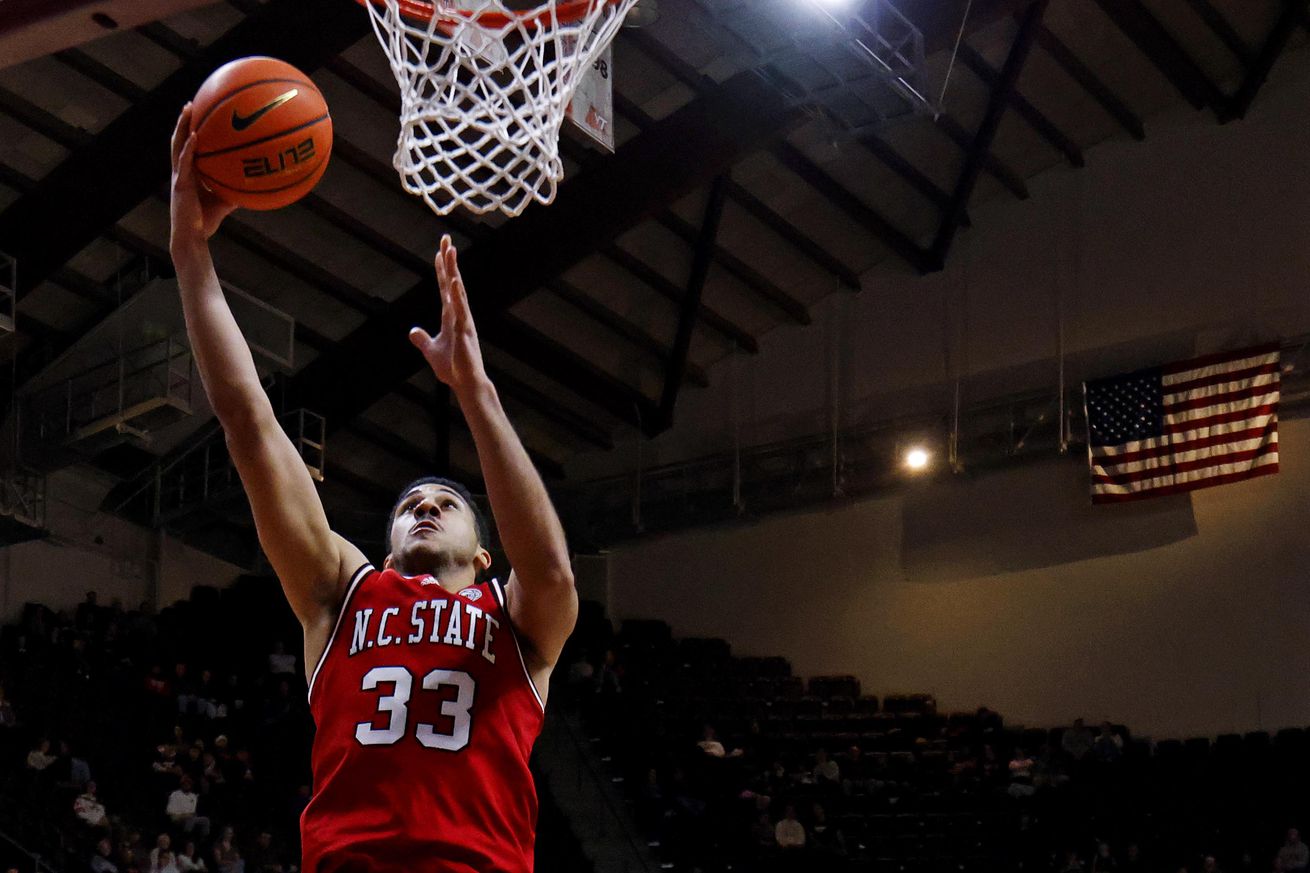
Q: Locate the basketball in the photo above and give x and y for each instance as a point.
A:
(263, 133)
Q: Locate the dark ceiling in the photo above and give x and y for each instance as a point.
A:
(729, 210)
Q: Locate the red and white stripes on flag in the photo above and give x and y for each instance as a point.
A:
(1197, 423)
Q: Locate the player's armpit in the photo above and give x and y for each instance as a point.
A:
(308, 558)
(544, 612)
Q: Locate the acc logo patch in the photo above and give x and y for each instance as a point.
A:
(471, 593)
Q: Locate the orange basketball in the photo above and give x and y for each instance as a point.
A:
(263, 133)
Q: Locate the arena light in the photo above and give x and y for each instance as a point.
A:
(916, 459)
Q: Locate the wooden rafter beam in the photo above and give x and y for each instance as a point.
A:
(916, 178)
(1167, 55)
(700, 269)
(109, 79)
(667, 289)
(998, 169)
(1293, 12)
(807, 245)
(818, 178)
(617, 324)
(389, 443)
(1037, 119)
(1112, 103)
(767, 216)
(380, 242)
(1227, 34)
(1002, 92)
(45, 227)
(737, 268)
(549, 467)
(651, 170)
(550, 409)
(795, 160)
(296, 264)
(387, 98)
(51, 126)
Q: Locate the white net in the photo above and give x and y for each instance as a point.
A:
(483, 89)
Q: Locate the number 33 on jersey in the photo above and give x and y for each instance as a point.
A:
(433, 685)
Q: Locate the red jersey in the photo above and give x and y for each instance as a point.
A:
(426, 717)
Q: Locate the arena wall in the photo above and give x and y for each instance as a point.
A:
(1187, 616)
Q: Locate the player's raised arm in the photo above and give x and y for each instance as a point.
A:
(293, 529)
(543, 602)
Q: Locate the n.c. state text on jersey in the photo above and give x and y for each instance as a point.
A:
(426, 717)
(464, 625)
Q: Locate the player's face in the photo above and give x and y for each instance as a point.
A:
(433, 528)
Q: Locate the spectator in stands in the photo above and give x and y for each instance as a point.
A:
(789, 833)
(79, 771)
(1108, 745)
(89, 809)
(101, 861)
(193, 764)
(156, 684)
(183, 688)
(826, 839)
(710, 745)
(278, 707)
(8, 719)
(280, 662)
(582, 675)
(227, 859)
(181, 810)
(1133, 860)
(1104, 861)
(1021, 774)
(162, 859)
(263, 857)
(124, 857)
(233, 696)
(609, 678)
(207, 692)
(855, 772)
(88, 614)
(189, 860)
(298, 804)
(167, 771)
(1073, 863)
(763, 834)
(826, 772)
(1049, 768)
(1294, 856)
(1210, 864)
(1077, 741)
(40, 758)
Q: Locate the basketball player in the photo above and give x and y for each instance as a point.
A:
(427, 685)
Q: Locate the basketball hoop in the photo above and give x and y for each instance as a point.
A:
(484, 89)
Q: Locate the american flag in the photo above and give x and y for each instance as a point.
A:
(1189, 425)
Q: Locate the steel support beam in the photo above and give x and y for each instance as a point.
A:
(700, 269)
(1091, 83)
(1002, 92)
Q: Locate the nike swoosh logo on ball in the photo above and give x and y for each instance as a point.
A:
(241, 122)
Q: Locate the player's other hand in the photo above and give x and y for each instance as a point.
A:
(196, 211)
(454, 353)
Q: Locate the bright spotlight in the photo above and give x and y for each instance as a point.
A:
(916, 459)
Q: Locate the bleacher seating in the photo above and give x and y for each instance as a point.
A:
(918, 790)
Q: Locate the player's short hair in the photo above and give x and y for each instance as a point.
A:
(479, 520)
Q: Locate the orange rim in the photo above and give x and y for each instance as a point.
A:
(566, 11)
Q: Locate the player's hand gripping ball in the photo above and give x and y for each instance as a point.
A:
(263, 133)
